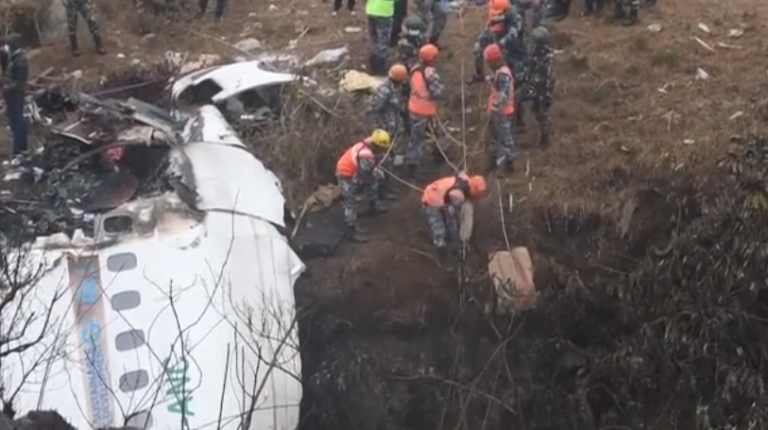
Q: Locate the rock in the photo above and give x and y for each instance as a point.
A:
(701, 74)
(135, 62)
(735, 32)
(120, 55)
(654, 28)
(77, 74)
(703, 27)
(147, 37)
(272, 8)
(328, 56)
(249, 44)
(351, 29)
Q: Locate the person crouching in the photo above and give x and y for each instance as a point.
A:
(442, 200)
(356, 170)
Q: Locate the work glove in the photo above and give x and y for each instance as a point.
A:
(378, 174)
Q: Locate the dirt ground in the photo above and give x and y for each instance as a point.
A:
(393, 341)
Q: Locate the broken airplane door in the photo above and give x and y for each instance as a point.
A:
(172, 316)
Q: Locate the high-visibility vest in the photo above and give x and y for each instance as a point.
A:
(436, 193)
(380, 8)
(347, 164)
(419, 101)
(508, 108)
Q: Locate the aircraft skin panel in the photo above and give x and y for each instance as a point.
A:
(231, 298)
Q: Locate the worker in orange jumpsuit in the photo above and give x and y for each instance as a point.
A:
(356, 171)
(426, 87)
(442, 201)
(501, 108)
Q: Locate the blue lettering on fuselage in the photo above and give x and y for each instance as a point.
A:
(87, 297)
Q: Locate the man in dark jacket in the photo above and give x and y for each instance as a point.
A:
(15, 74)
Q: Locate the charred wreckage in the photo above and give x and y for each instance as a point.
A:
(99, 154)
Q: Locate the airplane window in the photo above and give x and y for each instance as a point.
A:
(118, 224)
(129, 340)
(122, 261)
(140, 420)
(125, 300)
(134, 380)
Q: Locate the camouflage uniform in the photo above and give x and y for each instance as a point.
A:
(536, 8)
(444, 223)
(541, 84)
(512, 41)
(379, 29)
(432, 13)
(420, 123)
(501, 124)
(626, 11)
(85, 8)
(385, 108)
(368, 182)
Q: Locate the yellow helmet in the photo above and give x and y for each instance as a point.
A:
(381, 138)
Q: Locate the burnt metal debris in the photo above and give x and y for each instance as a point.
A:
(96, 155)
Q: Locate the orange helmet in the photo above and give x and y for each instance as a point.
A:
(428, 52)
(398, 73)
(498, 7)
(477, 185)
(492, 53)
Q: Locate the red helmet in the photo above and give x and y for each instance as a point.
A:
(492, 53)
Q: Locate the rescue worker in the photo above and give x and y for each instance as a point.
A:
(386, 111)
(501, 107)
(15, 68)
(442, 200)
(626, 11)
(380, 14)
(356, 170)
(433, 14)
(505, 28)
(414, 33)
(541, 83)
(85, 8)
(558, 10)
(593, 7)
(401, 11)
(426, 88)
(536, 9)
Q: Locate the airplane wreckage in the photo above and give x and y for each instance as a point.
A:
(162, 275)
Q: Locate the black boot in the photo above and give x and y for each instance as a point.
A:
(99, 44)
(357, 234)
(630, 20)
(376, 208)
(73, 46)
(544, 140)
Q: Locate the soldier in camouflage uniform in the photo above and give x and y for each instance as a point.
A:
(505, 28)
(386, 111)
(501, 106)
(541, 83)
(413, 39)
(536, 9)
(84, 8)
(433, 14)
(425, 88)
(626, 11)
(356, 170)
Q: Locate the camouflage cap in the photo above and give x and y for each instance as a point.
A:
(414, 22)
(540, 35)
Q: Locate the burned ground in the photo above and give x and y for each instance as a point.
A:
(645, 222)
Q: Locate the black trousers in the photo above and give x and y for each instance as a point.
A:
(401, 10)
(337, 5)
(220, 5)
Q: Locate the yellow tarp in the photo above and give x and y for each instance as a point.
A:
(354, 80)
